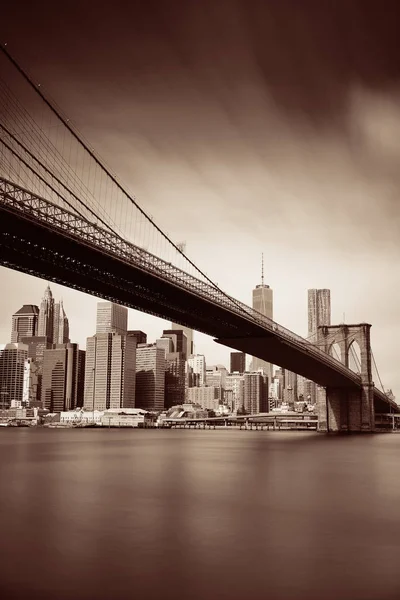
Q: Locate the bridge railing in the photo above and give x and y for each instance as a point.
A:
(17, 198)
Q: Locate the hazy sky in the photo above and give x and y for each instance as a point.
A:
(243, 127)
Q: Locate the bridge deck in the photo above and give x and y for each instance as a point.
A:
(42, 239)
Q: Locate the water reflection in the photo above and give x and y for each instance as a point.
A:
(199, 514)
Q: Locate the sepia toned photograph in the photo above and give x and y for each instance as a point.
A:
(200, 300)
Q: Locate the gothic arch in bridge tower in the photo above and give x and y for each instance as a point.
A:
(349, 409)
(335, 351)
(355, 356)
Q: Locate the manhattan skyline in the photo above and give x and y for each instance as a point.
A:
(193, 141)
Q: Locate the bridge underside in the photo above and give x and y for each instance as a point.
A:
(34, 248)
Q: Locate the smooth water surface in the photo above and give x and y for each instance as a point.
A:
(112, 514)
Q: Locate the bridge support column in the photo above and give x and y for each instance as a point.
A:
(348, 409)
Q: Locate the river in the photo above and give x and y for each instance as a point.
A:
(146, 514)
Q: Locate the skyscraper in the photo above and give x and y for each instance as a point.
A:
(141, 337)
(180, 341)
(262, 303)
(234, 391)
(189, 337)
(111, 318)
(290, 388)
(80, 392)
(255, 394)
(110, 365)
(60, 324)
(46, 316)
(36, 347)
(198, 363)
(319, 311)
(238, 362)
(31, 382)
(24, 323)
(12, 365)
(174, 379)
(150, 377)
(60, 377)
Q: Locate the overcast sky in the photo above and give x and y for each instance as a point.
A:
(243, 127)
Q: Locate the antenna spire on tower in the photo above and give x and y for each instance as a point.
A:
(262, 268)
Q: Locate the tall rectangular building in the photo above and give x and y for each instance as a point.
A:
(262, 303)
(12, 366)
(60, 377)
(290, 388)
(255, 394)
(198, 364)
(189, 337)
(234, 391)
(179, 338)
(24, 323)
(81, 378)
(36, 347)
(111, 318)
(150, 377)
(30, 387)
(123, 372)
(319, 311)
(141, 336)
(238, 362)
(46, 316)
(174, 379)
(110, 368)
(60, 324)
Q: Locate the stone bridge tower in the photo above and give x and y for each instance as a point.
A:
(347, 408)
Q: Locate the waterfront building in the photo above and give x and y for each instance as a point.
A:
(24, 323)
(36, 347)
(255, 393)
(60, 377)
(216, 377)
(234, 391)
(150, 377)
(208, 397)
(128, 417)
(174, 379)
(110, 371)
(80, 391)
(12, 365)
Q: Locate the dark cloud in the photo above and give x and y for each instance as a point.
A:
(308, 53)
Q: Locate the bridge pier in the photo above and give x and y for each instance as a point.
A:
(341, 410)
(347, 409)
